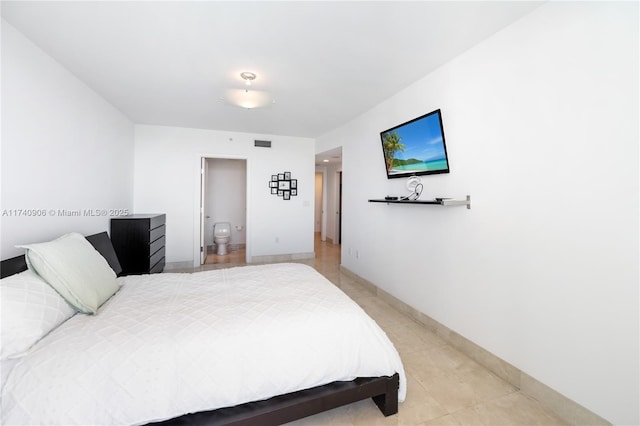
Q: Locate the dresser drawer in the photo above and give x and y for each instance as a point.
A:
(156, 221)
(158, 267)
(155, 258)
(156, 233)
(156, 245)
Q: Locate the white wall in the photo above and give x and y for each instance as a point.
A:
(226, 199)
(167, 164)
(541, 122)
(63, 148)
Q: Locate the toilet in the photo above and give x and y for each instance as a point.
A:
(221, 236)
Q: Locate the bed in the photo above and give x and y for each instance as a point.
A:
(263, 344)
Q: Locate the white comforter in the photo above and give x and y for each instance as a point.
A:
(169, 344)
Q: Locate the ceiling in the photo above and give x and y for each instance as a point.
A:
(325, 63)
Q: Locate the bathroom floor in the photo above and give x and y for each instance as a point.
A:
(233, 257)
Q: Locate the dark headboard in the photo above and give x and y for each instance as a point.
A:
(100, 242)
(13, 266)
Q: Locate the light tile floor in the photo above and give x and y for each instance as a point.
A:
(445, 387)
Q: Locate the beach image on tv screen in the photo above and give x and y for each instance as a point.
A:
(415, 147)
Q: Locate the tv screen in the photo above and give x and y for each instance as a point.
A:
(416, 147)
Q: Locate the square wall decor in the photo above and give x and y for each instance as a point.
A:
(283, 186)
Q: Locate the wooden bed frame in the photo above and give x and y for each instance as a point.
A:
(274, 411)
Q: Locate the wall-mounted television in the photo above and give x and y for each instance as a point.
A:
(416, 147)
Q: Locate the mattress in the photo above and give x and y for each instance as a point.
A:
(170, 344)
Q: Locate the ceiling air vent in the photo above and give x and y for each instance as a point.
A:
(263, 144)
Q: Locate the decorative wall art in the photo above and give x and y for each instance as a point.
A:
(283, 186)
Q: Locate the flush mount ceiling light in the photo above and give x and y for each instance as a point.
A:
(248, 77)
(246, 98)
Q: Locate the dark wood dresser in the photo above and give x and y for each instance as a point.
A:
(139, 242)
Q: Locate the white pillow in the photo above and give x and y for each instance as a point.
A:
(30, 310)
(74, 269)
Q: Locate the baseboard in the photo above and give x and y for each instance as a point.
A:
(565, 408)
(170, 266)
(282, 257)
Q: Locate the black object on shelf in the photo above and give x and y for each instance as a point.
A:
(139, 242)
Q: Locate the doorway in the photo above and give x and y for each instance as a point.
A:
(223, 200)
(328, 196)
(319, 208)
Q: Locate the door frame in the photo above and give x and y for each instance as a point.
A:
(323, 214)
(338, 207)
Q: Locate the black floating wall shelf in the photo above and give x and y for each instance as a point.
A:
(436, 202)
